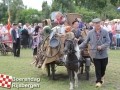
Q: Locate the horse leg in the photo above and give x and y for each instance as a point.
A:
(82, 67)
(76, 78)
(48, 69)
(53, 70)
(71, 78)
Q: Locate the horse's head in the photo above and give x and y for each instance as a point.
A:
(69, 46)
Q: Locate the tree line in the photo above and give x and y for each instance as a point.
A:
(105, 9)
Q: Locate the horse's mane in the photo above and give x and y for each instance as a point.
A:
(69, 35)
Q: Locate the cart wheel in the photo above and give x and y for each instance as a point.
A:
(3, 52)
(11, 53)
(6, 53)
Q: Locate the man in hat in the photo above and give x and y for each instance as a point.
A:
(99, 41)
(16, 40)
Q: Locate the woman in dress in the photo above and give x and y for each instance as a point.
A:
(36, 41)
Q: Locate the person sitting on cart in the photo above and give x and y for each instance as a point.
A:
(69, 34)
(46, 28)
(77, 31)
(59, 30)
(85, 51)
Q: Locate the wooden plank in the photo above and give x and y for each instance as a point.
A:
(71, 17)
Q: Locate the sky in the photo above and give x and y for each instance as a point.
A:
(36, 4)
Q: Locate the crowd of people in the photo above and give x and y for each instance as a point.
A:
(31, 35)
(23, 32)
(29, 32)
(113, 27)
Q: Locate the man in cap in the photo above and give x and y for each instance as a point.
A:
(99, 41)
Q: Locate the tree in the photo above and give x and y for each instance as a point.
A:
(16, 6)
(63, 6)
(88, 8)
(45, 10)
(3, 13)
(30, 16)
(115, 2)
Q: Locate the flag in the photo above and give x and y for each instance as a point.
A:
(9, 24)
(5, 81)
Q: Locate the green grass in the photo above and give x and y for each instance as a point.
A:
(21, 68)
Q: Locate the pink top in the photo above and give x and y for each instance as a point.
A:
(113, 29)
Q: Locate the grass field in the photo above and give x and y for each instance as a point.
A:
(21, 68)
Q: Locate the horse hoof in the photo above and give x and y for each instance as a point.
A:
(39, 66)
(76, 86)
(71, 88)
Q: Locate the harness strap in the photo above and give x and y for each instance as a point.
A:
(76, 61)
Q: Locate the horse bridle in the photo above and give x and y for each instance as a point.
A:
(71, 43)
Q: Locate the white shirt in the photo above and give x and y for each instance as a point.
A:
(4, 30)
(107, 28)
(118, 27)
(59, 29)
(17, 34)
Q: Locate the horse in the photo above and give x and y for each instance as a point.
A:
(72, 60)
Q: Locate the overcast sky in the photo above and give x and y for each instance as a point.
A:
(36, 4)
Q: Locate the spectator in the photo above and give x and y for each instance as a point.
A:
(118, 26)
(24, 38)
(16, 40)
(107, 26)
(35, 41)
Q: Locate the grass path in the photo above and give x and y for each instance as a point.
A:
(21, 68)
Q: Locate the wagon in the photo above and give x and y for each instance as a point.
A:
(71, 17)
(50, 60)
(5, 45)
